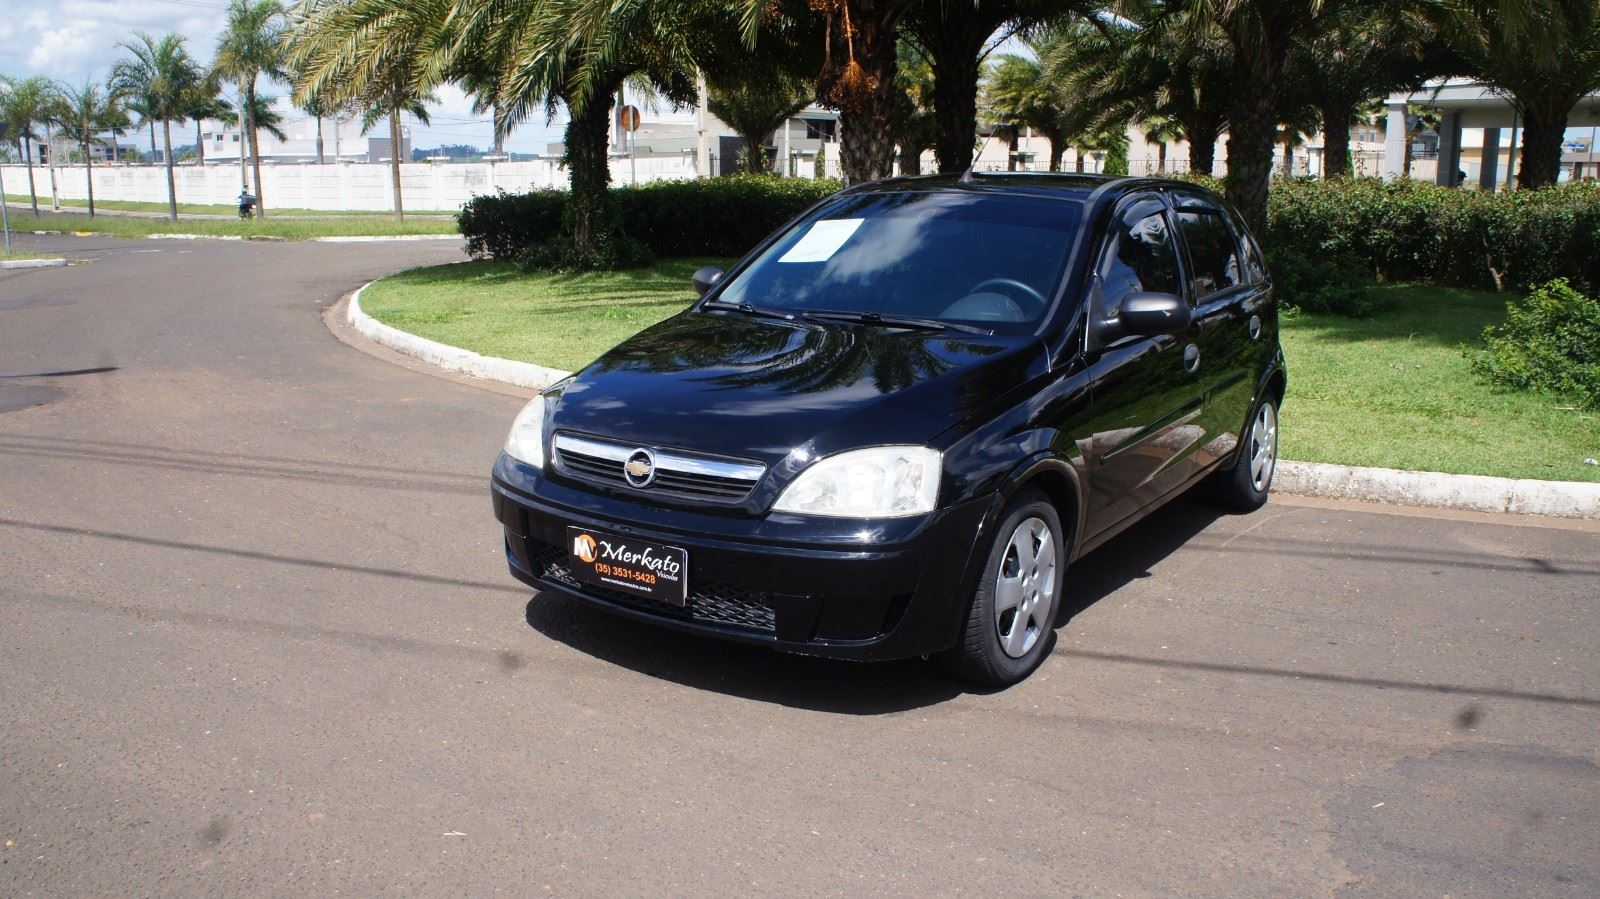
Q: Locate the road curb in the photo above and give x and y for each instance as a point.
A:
(32, 263)
(489, 368)
(184, 236)
(1475, 493)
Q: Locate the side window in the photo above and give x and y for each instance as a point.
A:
(1213, 251)
(1140, 257)
(1255, 268)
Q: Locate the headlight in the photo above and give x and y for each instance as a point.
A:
(879, 482)
(526, 441)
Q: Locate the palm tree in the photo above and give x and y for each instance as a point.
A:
(206, 103)
(251, 46)
(1151, 64)
(755, 110)
(1019, 91)
(161, 77)
(26, 106)
(1543, 70)
(956, 36)
(1161, 130)
(915, 123)
(85, 114)
(381, 56)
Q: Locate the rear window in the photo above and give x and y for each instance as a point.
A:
(990, 260)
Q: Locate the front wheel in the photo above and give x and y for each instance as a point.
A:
(1245, 486)
(1010, 625)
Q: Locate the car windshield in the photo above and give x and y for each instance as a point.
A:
(963, 258)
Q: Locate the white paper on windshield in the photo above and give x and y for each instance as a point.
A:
(822, 241)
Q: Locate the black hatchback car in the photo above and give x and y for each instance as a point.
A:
(889, 428)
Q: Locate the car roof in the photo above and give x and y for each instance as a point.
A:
(1078, 186)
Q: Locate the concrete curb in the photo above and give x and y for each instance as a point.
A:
(489, 368)
(1559, 499)
(374, 238)
(181, 236)
(32, 263)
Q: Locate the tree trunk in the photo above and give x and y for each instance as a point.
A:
(1542, 135)
(199, 142)
(88, 174)
(1077, 159)
(1058, 149)
(27, 156)
(50, 163)
(955, 104)
(953, 35)
(152, 141)
(255, 147)
(394, 161)
(1202, 140)
(1161, 158)
(499, 127)
(1252, 132)
(1012, 137)
(319, 138)
(910, 160)
(587, 143)
(866, 115)
(1336, 140)
(172, 183)
(1288, 156)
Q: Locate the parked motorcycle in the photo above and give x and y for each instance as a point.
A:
(247, 205)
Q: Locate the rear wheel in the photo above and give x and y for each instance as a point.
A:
(1011, 623)
(1246, 484)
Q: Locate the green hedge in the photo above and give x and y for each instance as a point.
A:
(710, 217)
(1409, 231)
(1550, 342)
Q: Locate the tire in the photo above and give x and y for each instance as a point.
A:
(992, 650)
(1244, 486)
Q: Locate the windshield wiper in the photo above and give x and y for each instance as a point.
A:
(751, 309)
(893, 321)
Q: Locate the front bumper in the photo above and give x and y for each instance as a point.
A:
(855, 590)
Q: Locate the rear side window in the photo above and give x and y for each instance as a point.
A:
(1141, 257)
(1213, 251)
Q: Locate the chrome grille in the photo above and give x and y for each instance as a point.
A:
(711, 602)
(677, 474)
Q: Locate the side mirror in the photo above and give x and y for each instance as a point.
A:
(705, 278)
(1150, 314)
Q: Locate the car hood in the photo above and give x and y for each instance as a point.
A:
(734, 385)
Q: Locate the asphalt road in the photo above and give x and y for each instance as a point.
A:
(259, 639)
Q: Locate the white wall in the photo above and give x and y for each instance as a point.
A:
(346, 186)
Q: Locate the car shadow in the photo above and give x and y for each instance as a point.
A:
(825, 685)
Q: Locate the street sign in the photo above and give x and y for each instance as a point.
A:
(628, 118)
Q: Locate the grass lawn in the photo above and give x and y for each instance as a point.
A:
(563, 321)
(294, 229)
(203, 208)
(1395, 391)
(1392, 391)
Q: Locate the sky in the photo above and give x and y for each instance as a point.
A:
(76, 40)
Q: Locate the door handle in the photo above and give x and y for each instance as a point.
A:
(1191, 358)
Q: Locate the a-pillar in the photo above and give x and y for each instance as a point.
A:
(1394, 144)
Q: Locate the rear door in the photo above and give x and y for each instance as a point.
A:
(1226, 286)
(1146, 402)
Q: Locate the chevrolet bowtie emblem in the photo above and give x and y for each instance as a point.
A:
(640, 469)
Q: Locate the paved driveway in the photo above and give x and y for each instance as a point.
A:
(258, 638)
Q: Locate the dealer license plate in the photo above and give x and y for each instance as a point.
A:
(636, 567)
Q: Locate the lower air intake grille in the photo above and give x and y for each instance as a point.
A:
(709, 602)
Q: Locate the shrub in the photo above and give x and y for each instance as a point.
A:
(710, 217)
(1340, 284)
(1410, 231)
(1550, 342)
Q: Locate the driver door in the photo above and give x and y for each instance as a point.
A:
(1147, 397)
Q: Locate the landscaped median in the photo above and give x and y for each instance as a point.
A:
(1394, 391)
